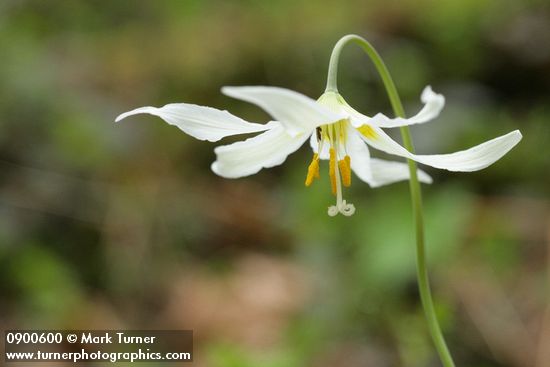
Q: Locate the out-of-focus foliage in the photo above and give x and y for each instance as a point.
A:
(124, 226)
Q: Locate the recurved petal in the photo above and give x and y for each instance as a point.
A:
(472, 159)
(266, 150)
(433, 104)
(203, 123)
(359, 156)
(387, 172)
(376, 172)
(297, 112)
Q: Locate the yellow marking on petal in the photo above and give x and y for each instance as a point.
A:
(368, 132)
(332, 170)
(313, 170)
(345, 170)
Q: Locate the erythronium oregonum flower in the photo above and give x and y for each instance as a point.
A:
(336, 131)
(341, 135)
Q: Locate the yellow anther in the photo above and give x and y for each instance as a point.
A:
(313, 170)
(332, 170)
(367, 131)
(345, 170)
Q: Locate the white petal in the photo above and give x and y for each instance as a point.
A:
(315, 147)
(433, 104)
(203, 123)
(298, 113)
(386, 172)
(359, 156)
(472, 159)
(373, 171)
(266, 150)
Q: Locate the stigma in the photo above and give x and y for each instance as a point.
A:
(339, 165)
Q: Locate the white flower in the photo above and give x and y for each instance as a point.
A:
(336, 131)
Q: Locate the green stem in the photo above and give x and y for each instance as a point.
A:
(414, 185)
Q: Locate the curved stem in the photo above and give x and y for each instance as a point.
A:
(414, 185)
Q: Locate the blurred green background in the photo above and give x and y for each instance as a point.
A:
(106, 226)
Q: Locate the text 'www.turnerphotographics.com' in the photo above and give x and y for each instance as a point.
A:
(98, 345)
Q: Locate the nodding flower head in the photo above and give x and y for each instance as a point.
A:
(337, 133)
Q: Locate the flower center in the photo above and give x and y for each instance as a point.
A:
(333, 137)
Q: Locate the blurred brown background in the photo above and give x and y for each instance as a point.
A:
(110, 226)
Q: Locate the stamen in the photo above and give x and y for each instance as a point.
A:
(332, 170)
(339, 171)
(345, 170)
(313, 170)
